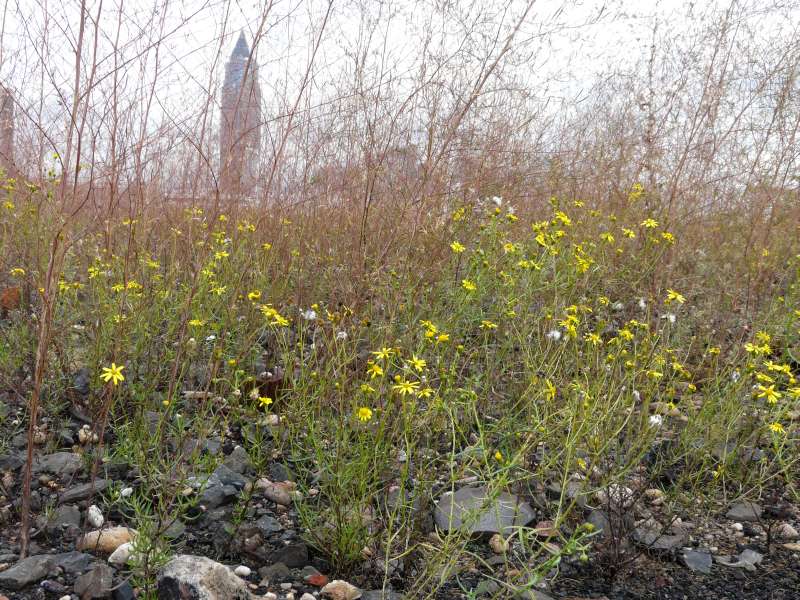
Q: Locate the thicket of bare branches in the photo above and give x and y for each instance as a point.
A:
(408, 104)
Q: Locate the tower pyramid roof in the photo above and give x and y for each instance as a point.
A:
(241, 49)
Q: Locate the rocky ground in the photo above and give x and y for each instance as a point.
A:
(82, 544)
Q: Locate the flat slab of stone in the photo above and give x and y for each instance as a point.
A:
(653, 539)
(745, 511)
(476, 510)
(58, 463)
(83, 491)
(698, 561)
(26, 571)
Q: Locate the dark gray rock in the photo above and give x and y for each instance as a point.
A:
(65, 517)
(58, 463)
(238, 461)
(276, 573)
(744, 511)
(124, 591)
(268, 525)
(473, 510)
(83, 491)
(698, 561)
(72, 562)
(97, 583)
(11, 462)
(653, 539)
(294, 555)
(382, 595)
(279, 472)
(27, 571)
(80, 382)
(188, 577)
(600, 521)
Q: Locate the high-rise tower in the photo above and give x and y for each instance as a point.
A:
(240, 125)
(6, 131)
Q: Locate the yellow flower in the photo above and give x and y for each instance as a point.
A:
(488, 324)
(763, 337)
(777, 428)
(672, 295)
(196, 323)
(265, 401)
(254, 295)
(113, 374)
(550, 389)
(649, 223)
(374, 370)
(628, 233)
(364, 414)
(266, 246)
(425, 393)
(457, 247)
(383, 353)
(418, 363)
(442, 338)
(17, 272)
(405, 387)
(668, 237)
(607, 237)
(768, 393)
(498, 456)
(593, 339)
(468, 285)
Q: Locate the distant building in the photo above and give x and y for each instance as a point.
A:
(6, 131)
(240, 124)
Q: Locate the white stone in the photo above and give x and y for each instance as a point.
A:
(242, 571)
(341, 590)
(95, 517)
(787, 532)
(270, 596)
(120, 556)
(307, 596)
(126, 492)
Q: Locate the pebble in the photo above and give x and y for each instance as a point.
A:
(737, 527)
(498, 544)
(242, 571)
(341, 590)
(126, 492)
(120, 556)
(307, 596)
(787, 532)
(95, 517)
(270, 596)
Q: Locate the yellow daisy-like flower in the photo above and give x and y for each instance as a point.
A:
(672, 295)
(383, 353)
(418, 363)
(488, 324)
(498, 456)
(374, 370)
(17, 272)
(593, 338)
(265, 401)
(777, 428)
(649, 223)
(768, 393)
(113, 374)
(468, 285)
(196, 323)
(405, 387)
(254, 295)
(457, 247)
(364, 414)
